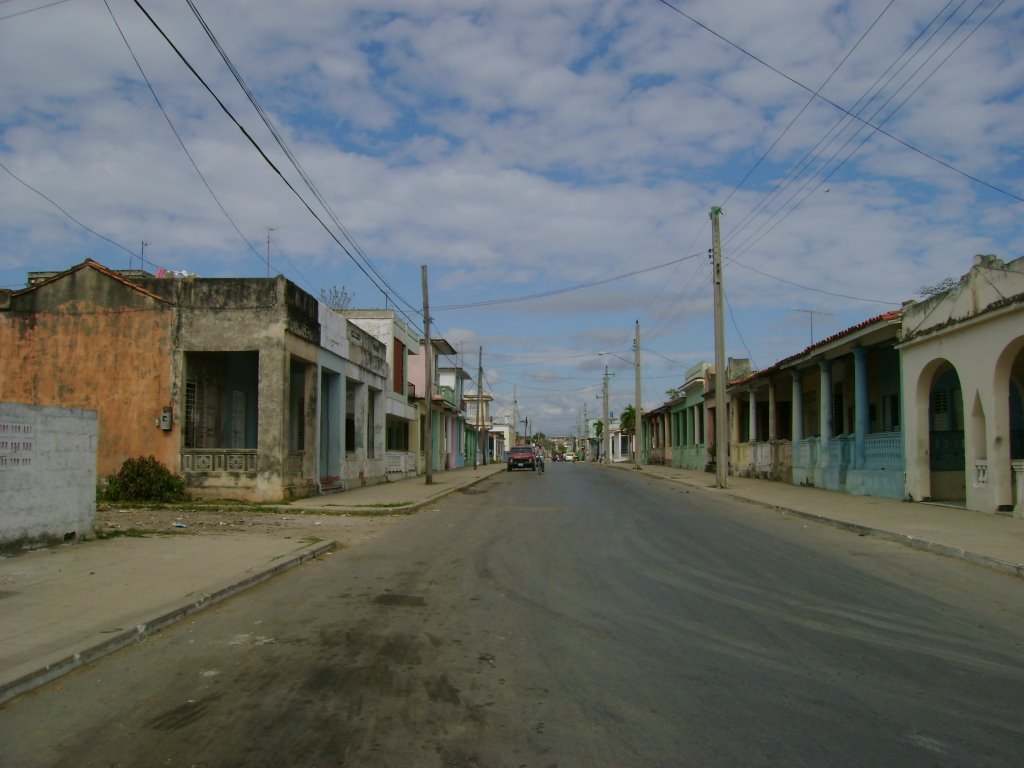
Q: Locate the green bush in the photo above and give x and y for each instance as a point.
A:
(144, 479)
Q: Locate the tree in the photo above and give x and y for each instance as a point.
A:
(627, 419)
(336, 298)
(946, 284)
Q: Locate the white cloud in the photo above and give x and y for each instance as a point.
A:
(517, 148)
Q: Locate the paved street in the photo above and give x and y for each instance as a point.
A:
(583, 617)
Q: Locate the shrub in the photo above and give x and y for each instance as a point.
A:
(144, 479)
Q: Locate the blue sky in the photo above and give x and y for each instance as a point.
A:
(526, 148)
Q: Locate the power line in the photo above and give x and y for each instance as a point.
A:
(807, 104)
(88, 229)
(262, 154)
(755, 238)
(178, 136)
(828, 101)
(310, 184)
(33, 10)
(568, 289)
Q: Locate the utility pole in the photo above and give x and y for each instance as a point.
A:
(515, 418)
(606, 433)
(721, 375)
(269, 230)
(637, 410)
(480, 437)
(586, 433)
(428, 437)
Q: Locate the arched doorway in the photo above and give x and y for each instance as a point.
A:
(947, 465)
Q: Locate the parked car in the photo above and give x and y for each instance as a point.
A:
(569, 457)
(522, 457)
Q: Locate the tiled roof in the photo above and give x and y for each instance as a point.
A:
(102, 270)
(885, 317)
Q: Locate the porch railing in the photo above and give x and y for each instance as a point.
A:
(399, 463)
(210, 460)
(806, 453)
(884, 451)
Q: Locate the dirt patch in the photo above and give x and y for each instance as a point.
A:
(183, 521)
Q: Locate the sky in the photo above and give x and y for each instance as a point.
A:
(552, 163)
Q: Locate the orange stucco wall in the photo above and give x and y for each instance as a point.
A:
(112, 359)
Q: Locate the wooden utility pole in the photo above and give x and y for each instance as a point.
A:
(721, 375)
(428, 431)
(480, 437)
(637, 411)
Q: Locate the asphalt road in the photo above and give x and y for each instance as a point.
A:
(584, 617)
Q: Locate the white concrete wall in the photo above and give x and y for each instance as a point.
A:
(47, 473)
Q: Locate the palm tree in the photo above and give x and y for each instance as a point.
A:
(627, 420)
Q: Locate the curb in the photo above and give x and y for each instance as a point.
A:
(403, 509)
(50, 672)
(986, 561)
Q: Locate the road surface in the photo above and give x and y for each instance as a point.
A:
(584, 617)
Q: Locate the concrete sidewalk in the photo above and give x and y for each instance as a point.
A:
(70, 605)
(994, 541)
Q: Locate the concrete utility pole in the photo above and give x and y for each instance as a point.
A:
(637, 410)
(515, 418)
(721, 375)
(586, 433)
(428, 436)
(481, 438)
(606, 433)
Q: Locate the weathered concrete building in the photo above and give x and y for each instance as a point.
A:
(962, 357)
(220, 379)
(401, 416)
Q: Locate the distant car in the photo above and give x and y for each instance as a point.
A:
(522, 457)
(569, 457)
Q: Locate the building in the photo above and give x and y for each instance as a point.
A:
(962, 363)
(401, 416)
(249, 388)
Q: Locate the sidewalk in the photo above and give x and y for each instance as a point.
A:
(70, 605)
(993, 541)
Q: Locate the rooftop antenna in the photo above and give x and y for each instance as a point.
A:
(811, 313)
(269, 230)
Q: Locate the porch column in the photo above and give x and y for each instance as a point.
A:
(773, 426)
(825, 402)
(752, 417)
(862, 421)
(798, 405)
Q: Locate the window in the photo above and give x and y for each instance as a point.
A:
(221, 400)
(398, 368)
(890, 413)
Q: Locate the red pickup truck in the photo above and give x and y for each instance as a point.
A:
(522, 457)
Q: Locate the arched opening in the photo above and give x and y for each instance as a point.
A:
(1017, 434)
(946, 436)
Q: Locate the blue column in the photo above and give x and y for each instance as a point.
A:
(862, 420)
(798, 407)
(825, 402)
